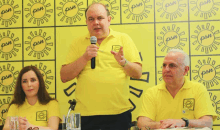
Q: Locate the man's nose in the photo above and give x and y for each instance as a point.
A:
(96, 21)
(167, 68)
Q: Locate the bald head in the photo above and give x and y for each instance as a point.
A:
(175, 67)
(183, 58)
(96, 3)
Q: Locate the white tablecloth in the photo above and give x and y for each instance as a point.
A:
(184, 128)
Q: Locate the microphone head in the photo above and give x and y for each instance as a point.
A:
(72, 102)
(93, 39)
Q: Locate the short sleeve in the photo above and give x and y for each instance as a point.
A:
(72, 54)
(203, 105)
(130, 50)
(148, 106)
(12, 110)
(53, 109)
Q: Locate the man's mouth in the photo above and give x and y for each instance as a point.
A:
(168, 76)
(97, 28)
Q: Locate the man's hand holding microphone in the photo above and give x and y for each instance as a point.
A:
(91, 53)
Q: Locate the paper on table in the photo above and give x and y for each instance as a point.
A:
(185, 128)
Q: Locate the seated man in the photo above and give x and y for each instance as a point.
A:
(177, 102)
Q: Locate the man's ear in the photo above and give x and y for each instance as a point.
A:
(186, 69)
(109, 18)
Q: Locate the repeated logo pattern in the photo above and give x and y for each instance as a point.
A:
(38, 12)
(10, 45)
(189, 25)
(4, 102)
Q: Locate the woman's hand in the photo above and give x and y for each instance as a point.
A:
(23, 123)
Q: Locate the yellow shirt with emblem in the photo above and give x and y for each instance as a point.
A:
(191, 102)
(36, 114)
(105, 89)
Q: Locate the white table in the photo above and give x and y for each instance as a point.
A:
(184, 128)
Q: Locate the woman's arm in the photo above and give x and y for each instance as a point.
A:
(53, 124)
(6, 125)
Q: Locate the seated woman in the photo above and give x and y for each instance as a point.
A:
(32, 103)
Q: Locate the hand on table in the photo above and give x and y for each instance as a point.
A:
(23, 123)
(171, 123)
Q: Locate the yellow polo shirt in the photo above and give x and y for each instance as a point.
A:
(36, 114)
(192, 102)
(105, 89)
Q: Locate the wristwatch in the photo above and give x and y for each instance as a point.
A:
(126, 62)
(186, 120)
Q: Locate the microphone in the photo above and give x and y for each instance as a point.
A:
(72, 107)
(93, 40)
(72, 104)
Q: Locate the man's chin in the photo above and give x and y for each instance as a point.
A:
(168, 81)
(96, 35)
(99, 36)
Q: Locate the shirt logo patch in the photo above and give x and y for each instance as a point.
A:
(41, 115)
(116, 48)
(189, 104)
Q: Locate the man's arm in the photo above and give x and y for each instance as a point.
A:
(133, 70)
(72, 70)
(205, 121)
(144, 122)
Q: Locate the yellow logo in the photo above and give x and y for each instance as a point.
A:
(8, 12)
(45, 73)
(189, 104)
(204, 8)
(137, 9)
(8, 45)
(206, 72)
(116, 48)
(39, 44)
(41, 115)
(215, 104)
(70, 11)
(206, 38)
(171, 9)
(8, 77)
(4, 109)
(38, 12)
(171, 38)
(109, 4)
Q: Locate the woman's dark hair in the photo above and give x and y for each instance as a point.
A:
(19, 95)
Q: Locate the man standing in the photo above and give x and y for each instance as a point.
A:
(177, 102)
(102, 93)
